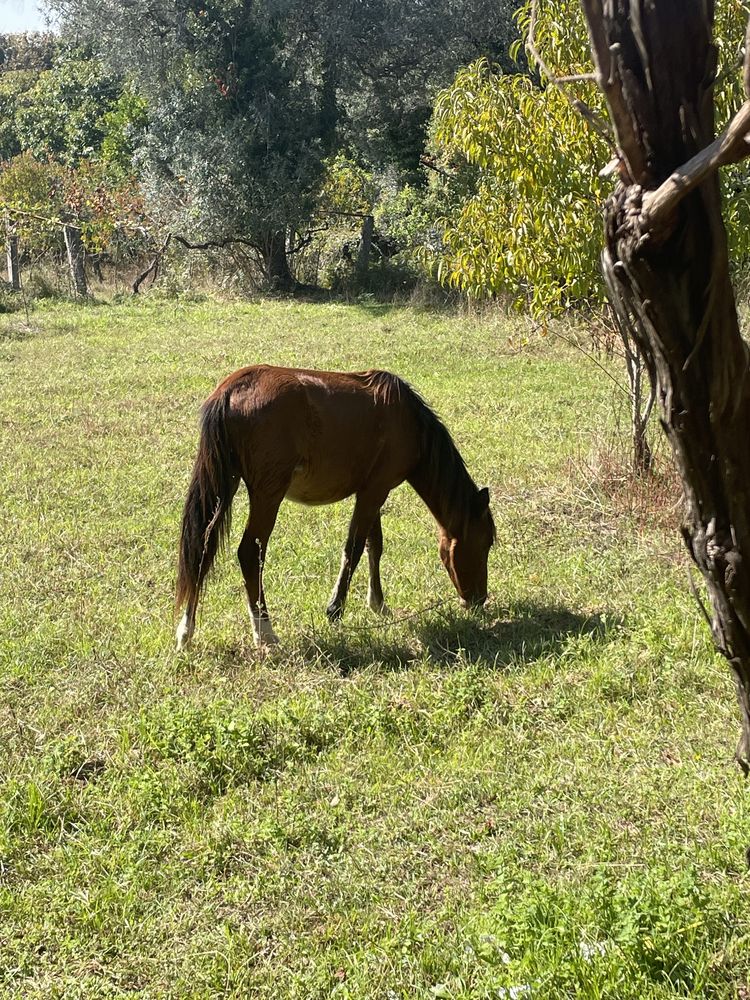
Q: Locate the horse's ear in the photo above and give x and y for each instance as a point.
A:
(483, 499)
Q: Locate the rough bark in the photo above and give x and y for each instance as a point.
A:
(667, 269)
(74, 247)
(14, 270)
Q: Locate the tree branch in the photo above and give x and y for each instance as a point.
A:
(153, 267)
(306, 240)
(604, 56)
(134, 227)
(215, 244)
(731, 146)
(429, 161)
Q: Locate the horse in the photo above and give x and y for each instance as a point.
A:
(316, 437)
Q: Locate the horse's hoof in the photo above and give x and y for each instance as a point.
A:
(334, 612)
(265, 637)
(380, 609)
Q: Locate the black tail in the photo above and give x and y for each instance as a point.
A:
(208, 507)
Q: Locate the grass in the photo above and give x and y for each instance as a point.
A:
(538, 802)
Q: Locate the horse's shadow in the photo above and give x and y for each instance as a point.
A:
(498, 639)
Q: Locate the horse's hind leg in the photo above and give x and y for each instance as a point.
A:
(186, 627)
(374, 552)
(365, 512)
(252, 554)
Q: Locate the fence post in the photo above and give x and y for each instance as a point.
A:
(74, 246)
(14, 270)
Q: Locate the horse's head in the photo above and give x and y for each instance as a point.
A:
(465, 556)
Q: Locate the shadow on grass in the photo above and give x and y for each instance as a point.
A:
(375, 302)
(524, 631)
(496, 638)
(349, 651)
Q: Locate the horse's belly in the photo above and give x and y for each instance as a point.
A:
(311, 492)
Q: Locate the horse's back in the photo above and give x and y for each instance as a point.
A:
(328, 433)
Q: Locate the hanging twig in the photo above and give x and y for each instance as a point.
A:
(572, 343)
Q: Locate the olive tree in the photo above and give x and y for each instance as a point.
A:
(247, 102)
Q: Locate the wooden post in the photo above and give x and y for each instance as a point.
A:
(74, 246)
(14, 270)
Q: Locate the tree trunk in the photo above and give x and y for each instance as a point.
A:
(74, 247)
(667, 270)
(640, 377)
(328, 115)
(277, 263)
(365, 246)
(14, 270)
(642, 457)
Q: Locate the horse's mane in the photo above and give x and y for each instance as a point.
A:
(442, 470)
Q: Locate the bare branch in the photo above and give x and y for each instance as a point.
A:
(577, 78)
(153, 267)
(594, 120)
(343, 215)
(134, 227)
(604, 57)
(306, 240)
(429, 161)
(214, 244)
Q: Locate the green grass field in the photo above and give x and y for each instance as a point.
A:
(540, 802)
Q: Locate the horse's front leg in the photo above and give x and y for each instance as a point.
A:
(374, 551)
(251, 554)
(363, 517)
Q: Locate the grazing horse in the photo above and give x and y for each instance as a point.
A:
(317, 437)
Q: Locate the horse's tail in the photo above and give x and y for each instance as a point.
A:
(208, 508)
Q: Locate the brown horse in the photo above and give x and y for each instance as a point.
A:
(317, 437)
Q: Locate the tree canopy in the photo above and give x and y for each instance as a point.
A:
(247, 101)
(236, 121)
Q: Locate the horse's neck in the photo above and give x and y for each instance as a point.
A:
(441, 498)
